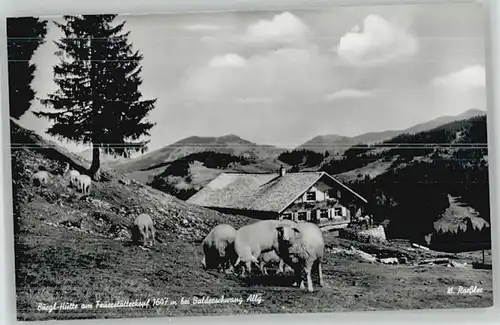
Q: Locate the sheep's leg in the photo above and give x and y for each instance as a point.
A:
(143, 235)
(309, 278)
(248, 265)
(298, 276)
(281, 267)
(261, 267)
(264, 270)
(320, 273)
(228, 266)
(153, 235)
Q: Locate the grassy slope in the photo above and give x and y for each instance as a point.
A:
(76, 249)
(197, 175)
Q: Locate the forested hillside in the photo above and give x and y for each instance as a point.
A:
(424, 168)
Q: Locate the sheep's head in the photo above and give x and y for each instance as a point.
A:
(287, 234)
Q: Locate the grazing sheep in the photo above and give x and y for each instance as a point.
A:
(41, 177)
(302, 247)
(84, 182)
(256, 238)
(73, 176)
(144, 226)
(218, 247)
(269, 257)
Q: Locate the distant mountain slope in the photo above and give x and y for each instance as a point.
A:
(230, 144)
(338, 144)
(409, 179)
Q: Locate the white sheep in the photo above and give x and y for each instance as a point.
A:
(41, 177)
(256, 238)
(218, 247)
(84, 182)
(144, 226)
(270, 257)
(302, 247)
(73, 175)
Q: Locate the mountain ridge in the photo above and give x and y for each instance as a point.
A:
(228, 143)
(338, 143)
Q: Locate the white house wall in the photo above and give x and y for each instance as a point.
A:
(321, 191)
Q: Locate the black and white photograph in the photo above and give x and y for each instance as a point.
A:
(239, 162)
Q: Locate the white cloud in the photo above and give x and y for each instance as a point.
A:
(227, 60)
(289, 73)
(468, 78)
(348, 94)
(284, 27)
(202, 27)
(378, 42)
(460, 90)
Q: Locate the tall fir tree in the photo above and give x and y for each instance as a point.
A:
(24, 36)
(98, 101)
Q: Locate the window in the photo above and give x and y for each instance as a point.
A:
(337, 212)
(324, 214)
(311, 196)
(302, 216)
(286, 216)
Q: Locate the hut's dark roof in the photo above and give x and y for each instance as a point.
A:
(259, 192)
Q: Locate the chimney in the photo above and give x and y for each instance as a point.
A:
(282, 171)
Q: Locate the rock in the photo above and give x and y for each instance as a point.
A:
(389, 260)
(420, 246)
(124, 181)
(433, 261)
(367, 257)
(403, 260)
(457, 264)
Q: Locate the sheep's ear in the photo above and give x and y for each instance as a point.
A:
(279, 229)
(296, 230)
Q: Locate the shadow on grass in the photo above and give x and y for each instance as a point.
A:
(481, 266)
(272, 279)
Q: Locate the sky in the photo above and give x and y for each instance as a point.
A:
(284, 77)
